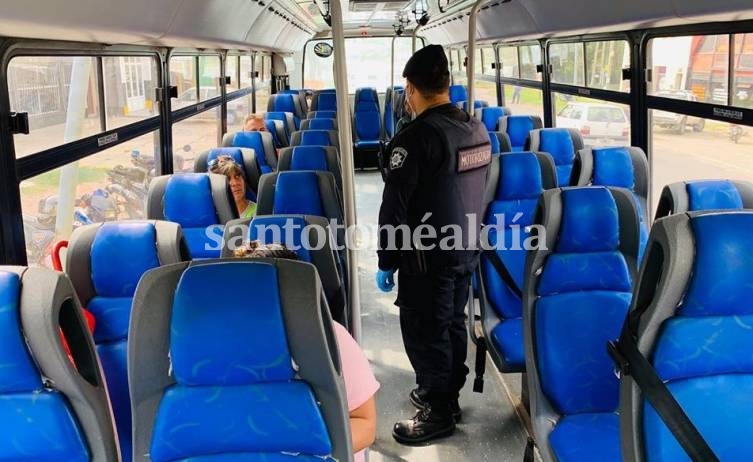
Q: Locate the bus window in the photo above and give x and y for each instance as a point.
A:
(508, 61)
(231, 70)
(524, 100)
(601, 123)
(604, 64)
(209, 77)
(530, 59)
(567, 63)
(318, 71)
(742, 95)
(196, 134)
(130, 83)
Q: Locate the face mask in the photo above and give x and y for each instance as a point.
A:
(410, 106)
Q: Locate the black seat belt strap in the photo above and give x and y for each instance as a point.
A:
(503, 272)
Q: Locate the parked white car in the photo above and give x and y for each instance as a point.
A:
(597, 123)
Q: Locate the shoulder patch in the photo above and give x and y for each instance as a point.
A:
(397, 158)
(474, 157)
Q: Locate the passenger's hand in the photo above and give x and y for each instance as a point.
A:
(385, 280)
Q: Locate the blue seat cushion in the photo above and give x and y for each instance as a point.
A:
(587, 438)
(713, 194)
(490, 116)
(721, 407)
(367, 125)
(204, 242)
(590, 222)
(188, 201)
(266, 418)
(315, 138)
(235, 153)
(298, 193)
(322, 124)
(320, 114)
(508, 338)
(254, 141)
(18, 372)
(39, 426)
(559, 144)
(518, 128)
(112, 315)
(113, 356)
(613, 167)
(367, 144)
(309, 158)
(273, 229)
(327, 102)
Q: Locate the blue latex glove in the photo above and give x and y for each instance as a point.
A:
(385, 280)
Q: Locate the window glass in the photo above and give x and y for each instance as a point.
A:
(318, 71)
(209, 75)
(567, 63)
(183, 76)
(488, 54)
(237, 110)
(245, 71)
(478, 67)
(403, 52)
(530, 57)
(604, 64)
(693, 148)
(486, 91)
(130, 89)
(60, 94)
(195, 135)
(231, 70)
(600, 123)
(110, 185)
(262, 83)
(524, 101)
(742, 95)
(508, 57)
(460, 77)
(693, 68)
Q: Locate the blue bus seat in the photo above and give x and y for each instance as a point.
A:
(301, 97)
(321, 158)
(561, 144)
(309, 237)
(577, 293)
(691, 317)
(277, 129)
(623, 167)
(261, 142)
(516, 181)
(236, 360)
(201, 203)
(324, 100)
(477, 104)
(500, 142)
(517, 128)
(286, 118)
(697, 195)
(53, 402)
(315, 138)
(105, 262)
(287, 103)
(391, 97)
(242, 156)
(490, 116)
(458, 93)
(319, 124)
(367, 129)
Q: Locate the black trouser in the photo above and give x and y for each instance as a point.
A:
(432, 320)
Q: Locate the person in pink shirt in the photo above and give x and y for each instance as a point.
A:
(360, 384)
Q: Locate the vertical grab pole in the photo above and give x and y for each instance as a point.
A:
(346, 155)
(415, 35)
(469, 70)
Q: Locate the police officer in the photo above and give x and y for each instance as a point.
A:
(436, 175)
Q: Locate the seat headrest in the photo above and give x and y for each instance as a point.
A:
(590, 221)
(518, 127)
(613, 167)
(367, 106)
(366, 94)
(283, 103)
(255, 141)
(315, 138)
(298, 193)
(713, 194)
(490, 116)
(458, 93)
(520, 177)
(323, 115)
(242, 343)
(188, 201)
(720, 281)
(327, 102)
(121, 253)
(18, 373)
(309, 158)
(558, 143)
(272, 229)
(235, 153)
(321, 124)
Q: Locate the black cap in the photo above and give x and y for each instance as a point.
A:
(428, 69)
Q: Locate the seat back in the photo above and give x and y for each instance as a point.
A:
(277, 129)
(287, 103)
(315, 138)
(324, 100)
(367, 123)
(287, 119)
(318, 124)
(105, 262)
(500, 142)
(301, 98)
(247, 371)
(517, 128)
(302, 193)
(322, 115)
(242, 156)
(391, 97)
(576, 296)
(308, 236)
(320, 158)
(561, 144)
(477, 104)
(261, 142)
(691, 318)
(516, 180)
(366, 95)
(53, 402)
(201, 203)
(458, 93)
(623, 167)
(697, 195)
(490, 116)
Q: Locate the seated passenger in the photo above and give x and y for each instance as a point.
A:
(254, 123)
(360, 383)
(226, 165)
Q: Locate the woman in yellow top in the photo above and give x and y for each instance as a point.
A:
(226, 165)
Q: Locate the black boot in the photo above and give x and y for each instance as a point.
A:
(428, 424)
(418, 396)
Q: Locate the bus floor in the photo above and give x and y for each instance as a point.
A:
(490, 429)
